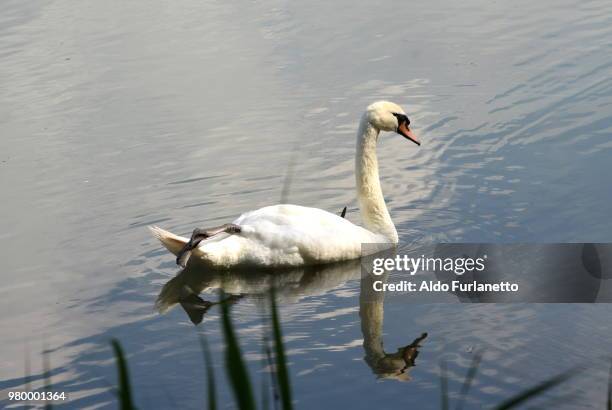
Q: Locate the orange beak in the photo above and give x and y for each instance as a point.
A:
(405, 131)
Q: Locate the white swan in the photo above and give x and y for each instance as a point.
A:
(292, 235)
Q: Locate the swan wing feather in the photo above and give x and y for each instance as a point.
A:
(287, 235)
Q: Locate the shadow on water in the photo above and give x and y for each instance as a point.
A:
(292, 285)
(89, 377)
(159, 344)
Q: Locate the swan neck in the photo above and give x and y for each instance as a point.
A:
(371, 314)
(372, 205)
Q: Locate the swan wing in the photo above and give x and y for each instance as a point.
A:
(287, 235)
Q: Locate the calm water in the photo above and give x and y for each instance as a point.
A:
(115, 115)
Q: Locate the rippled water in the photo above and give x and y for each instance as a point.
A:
(114, 116)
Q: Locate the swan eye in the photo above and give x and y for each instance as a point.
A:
(401, 119)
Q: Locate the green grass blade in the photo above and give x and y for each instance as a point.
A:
(281, 361)
(47, 376)
(443, 386)
(210, 375)
(236, 368)
(28, 373)
(266, 362)
(125, 391)
(609, 404)
(536, 390)
(273, 378)
(265, 396)
(469, 378)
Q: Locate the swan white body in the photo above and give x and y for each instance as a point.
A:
(292, 235)
(284, 235)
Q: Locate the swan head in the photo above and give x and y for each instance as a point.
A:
(388, 116)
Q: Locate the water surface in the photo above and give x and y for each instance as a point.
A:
(115, 116)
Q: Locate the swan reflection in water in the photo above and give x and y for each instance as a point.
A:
(291, 286)
(371, 311)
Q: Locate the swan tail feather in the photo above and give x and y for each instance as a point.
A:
(172, 242)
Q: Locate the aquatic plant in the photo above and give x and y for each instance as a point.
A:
(282, 372)
(535, 390)
(124, 391)
(47, 376)
(234, 365)
(241, 384)
(210, 375)
(509, 403)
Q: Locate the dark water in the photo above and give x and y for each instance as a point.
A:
(114, 116)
